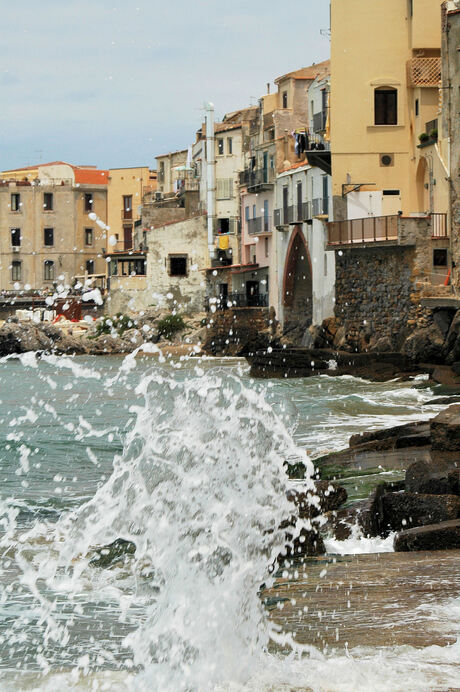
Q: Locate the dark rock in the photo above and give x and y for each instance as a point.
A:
(22, 337)
(71, 345)
(371, 517)
(425, 345)
(430, 476)
(115, 552)
(442, 536)
(453, 480)
(409, 430)
(452, 342)
(443, 319)
(443, 400)
(456, 367)
(50, 330)
(411, 509)
(443, 374)
(382, 345)
(307, 544)
(330, 497)
(445, 429)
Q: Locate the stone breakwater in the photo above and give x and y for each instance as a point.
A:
(424, 508)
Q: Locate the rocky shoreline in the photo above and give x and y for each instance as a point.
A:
(423, 510)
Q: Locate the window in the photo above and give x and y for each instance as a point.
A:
(440, 257)
(127, 206)
(224, 188)
(48, 201)
(220, 147)
(299, 200)
(90, 266)
(416, 106)
(15, 237)
(266, 247)
(48, 236)
(88, 202)
(386, 106)
(16, 270)
(48, 270)
(230, 145)
(254, 211)
(325, 264)
(88, 236)
(161, 172)
(15, 201)
(246, 214)
(285, 99)
(178, 265)
(266, 217)
(223, 226)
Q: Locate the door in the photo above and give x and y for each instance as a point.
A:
(128, 237)
(265, 167)
(325, 209)
(252, 293)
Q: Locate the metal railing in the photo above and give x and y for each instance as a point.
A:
(319, 121)
(320, 206)
(241, 300)
(439, 225)
(283, 216)
(126, 214)
(260, 224)
(371, 229)
(257, 178)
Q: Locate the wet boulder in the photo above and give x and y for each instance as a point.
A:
(308, 543)
(425, 345)
(442, 536)
(406, 510)
(430, 476)
(71, 345)
(325, 497)
(445, 429)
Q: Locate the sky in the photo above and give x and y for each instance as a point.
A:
(116, 83)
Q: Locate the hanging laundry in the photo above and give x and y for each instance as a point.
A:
(297, 143)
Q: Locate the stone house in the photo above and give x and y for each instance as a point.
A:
(48, 233)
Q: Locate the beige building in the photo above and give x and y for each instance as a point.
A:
(386, 71)
(48, 231)
(125, 191)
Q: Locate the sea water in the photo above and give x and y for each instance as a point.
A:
(183, 459)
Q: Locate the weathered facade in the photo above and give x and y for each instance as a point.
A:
(125, 192)
(48, 233)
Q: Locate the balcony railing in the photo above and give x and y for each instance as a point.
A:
(258, 178)
(439, 225)
(297, 213)
(424, 72)
(260, 224)
(371, 229)
(127, 215)
(319, 121)
(241, 300)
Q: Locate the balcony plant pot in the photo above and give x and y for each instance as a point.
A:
(434, 135)
(424, 137)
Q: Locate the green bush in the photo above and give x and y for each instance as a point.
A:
(434, 134)
(170, 325)
(106, 325)
(424, 137)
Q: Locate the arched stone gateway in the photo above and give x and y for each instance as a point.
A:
(297, 283)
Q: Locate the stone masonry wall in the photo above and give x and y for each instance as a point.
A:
(374, 296)
(238, 332)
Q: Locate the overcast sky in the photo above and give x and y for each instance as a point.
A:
(116, 83)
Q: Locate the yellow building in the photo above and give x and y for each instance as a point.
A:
(386, 71)
(48, 225)
(126, 187)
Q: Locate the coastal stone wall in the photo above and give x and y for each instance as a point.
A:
(374, 290)
(238, 332)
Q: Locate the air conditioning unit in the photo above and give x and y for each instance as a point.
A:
(16, 248)
(387, 160)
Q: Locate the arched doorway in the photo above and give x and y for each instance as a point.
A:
(297, 284)
(423, 185)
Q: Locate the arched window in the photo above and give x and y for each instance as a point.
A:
(386, 106)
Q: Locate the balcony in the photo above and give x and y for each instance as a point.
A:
(242, 300)
(423, 72)
(258, 225)
(297, 213)
(371, 229)
(127, 215)
(258, 179)
(319, 121)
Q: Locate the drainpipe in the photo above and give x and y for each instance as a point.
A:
(211, 175)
